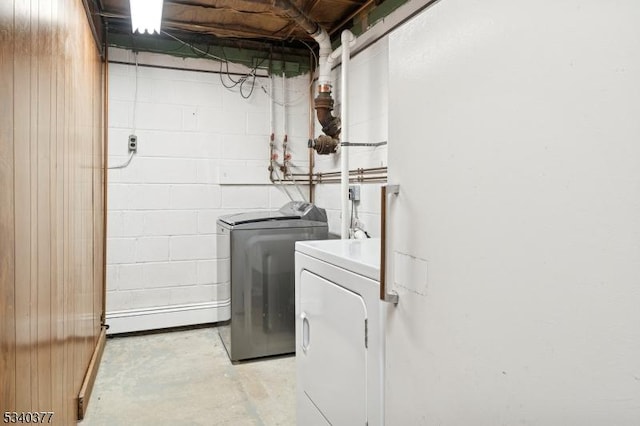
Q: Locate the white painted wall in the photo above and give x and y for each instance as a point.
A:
(368, 100)
(515, 238)
(202, 152)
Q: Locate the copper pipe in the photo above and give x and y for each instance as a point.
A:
(363, 169)
(271, 156)
(356, 179)
(368, 179)
(352, 173)
(370, 170)
(285, 156)
(358, 170)
(323, 178)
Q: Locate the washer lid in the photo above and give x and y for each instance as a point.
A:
(252, 217)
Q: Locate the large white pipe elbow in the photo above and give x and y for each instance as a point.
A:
(324, 72)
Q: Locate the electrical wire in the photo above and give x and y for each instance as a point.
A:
(251, 75)
(295, 101)
(133, 119)
(135, 95)
(300, 98)
(253, 85)
(353, 208)
(242, 80)
(356, 225)
(245, 77)
(253, 81)
(125, 164)
(235, 82)
(313, 52)
(192, 46)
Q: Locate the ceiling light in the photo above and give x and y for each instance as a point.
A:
(146, 15)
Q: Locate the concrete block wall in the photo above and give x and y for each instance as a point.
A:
(202, 152)
(368, 100)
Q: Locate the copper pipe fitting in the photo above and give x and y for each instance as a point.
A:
(324, 145)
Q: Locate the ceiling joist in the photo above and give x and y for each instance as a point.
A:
(208, 22)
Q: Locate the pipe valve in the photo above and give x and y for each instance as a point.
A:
(324, 145)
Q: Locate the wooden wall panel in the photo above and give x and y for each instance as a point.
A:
(43, 194)
(22, 200)
(32, 191)
(51, 204)
(57, 106)
(7, 249)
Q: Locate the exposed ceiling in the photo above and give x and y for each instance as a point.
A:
(253, 19)
(257, 24)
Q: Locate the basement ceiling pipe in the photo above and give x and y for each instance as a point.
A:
(331, 125)
(324, 101)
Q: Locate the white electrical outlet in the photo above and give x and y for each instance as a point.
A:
(133, 144)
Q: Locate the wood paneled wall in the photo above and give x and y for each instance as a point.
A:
(51, 204)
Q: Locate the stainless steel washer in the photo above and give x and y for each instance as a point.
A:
(262, 277)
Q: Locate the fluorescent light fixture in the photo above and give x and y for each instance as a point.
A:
(146, 16)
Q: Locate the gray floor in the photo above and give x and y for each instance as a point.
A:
(186, 378)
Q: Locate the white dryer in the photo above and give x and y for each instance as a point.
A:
(339, 333)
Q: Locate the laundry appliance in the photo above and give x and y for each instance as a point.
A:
(339, 333)
(261, 247)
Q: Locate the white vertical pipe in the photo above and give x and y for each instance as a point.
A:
(271, 101)
(347, 39)
(285, 163)
(324, 72)
(284, 105)
(272, 125)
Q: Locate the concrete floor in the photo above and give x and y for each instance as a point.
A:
(186, 378)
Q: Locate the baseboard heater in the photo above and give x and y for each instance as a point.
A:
(131, 320)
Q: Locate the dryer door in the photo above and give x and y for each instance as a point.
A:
(332, 352)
